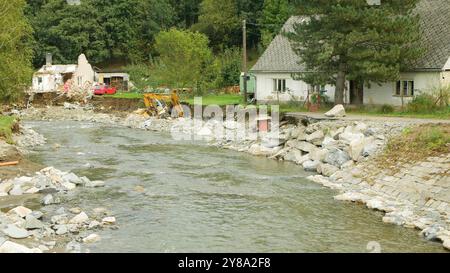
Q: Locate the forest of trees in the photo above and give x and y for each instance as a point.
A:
(125, 30)
(197, 43)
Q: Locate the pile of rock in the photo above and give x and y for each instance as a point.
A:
(48, 180)
(324, 147)
(73, 225)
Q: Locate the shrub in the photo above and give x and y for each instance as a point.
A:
(386, 109)
(422, 103)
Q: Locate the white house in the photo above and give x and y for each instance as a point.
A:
(275, 68)
(52, 78)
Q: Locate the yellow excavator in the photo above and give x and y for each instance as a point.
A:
(159, 104)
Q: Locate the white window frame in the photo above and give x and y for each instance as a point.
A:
(279, 85)
(409, 84)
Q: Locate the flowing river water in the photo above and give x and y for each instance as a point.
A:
(172, 196)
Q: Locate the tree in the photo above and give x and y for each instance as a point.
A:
(185, 60)
(15, 50)
(67, 31)
(230, 66)
(220, 22)
(105, 30)
(275, 14)
(186, 12)
(351, 40)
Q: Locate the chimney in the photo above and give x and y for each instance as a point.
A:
(48, 59)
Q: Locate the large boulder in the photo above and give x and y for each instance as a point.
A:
(327, 169)
(356, 149)
(15, 232)
(293, 155)
(347, 137)
(337, 112)
(10, 247)
(306, 146)
(319, 154)
(310, 165)
(316, 138)
(337, 157)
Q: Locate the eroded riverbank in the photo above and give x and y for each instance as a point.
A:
(296, 140)
(172, 196)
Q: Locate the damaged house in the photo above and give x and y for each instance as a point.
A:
(53, 78)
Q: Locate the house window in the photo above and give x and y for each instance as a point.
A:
(279, 85)
(80, 80)
(404, 88)
(39, 80)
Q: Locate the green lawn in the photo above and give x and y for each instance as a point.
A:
(6, 126)
(125, 95)
(220, 100)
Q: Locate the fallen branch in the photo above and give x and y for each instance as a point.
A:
(12, 163)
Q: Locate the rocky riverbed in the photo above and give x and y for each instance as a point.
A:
(23, 230)
(339, 152)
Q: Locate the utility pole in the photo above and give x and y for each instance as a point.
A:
(244, 61)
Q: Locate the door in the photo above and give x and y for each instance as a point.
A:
(356, 93)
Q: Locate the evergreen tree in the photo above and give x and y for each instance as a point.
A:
(275, 14)
(351, 40)
(220, 22)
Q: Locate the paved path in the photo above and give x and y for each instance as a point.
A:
(356, 117)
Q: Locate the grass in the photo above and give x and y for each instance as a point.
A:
(125, 95)
(415, 144)
(377, 111)
(220, 100)
(7, 125)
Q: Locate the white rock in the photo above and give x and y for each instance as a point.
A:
(69, 186)
(328, 142)
(356, 149)
(94, 224)
(351, 197)
(316, 138)
(447, 243)
(48, 200)
(306, 146)
(79, 219)
(337, 111)
(319, 154)
(75, 210)
(21, 211)
(32, 222)
(16, 232)
(93, 238)
(72, 178)
(348, 137)
(94, 184)
(327, 169)
(5, 187)
(32, 190)
(310, 166)
(109, 220)
(337, 157)
(10, 247)
(16, 190)
(62, 229)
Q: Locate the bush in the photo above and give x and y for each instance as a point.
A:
(230, 67)
(386, 109)
(422, 103)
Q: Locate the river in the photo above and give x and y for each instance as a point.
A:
(172, 196)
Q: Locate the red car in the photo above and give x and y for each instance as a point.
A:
(104, 90)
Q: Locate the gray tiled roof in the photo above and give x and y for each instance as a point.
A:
(279, 56)
(435, 24)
